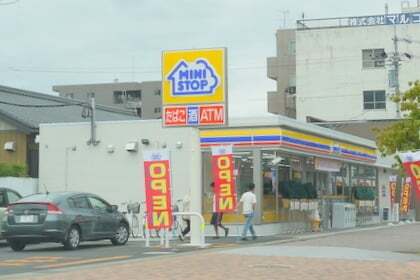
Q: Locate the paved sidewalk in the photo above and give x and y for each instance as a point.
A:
(217, 266)
(272, 260)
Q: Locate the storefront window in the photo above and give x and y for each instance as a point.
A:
(363, 176)
(243, 172)
(284, 180)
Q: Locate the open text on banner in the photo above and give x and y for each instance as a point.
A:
(158, 189)
(224, 180)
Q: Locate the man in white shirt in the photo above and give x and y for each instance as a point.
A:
(248, 201)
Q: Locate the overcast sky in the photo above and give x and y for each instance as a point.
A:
(49, 42)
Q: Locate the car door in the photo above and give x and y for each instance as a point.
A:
(83, 215)
(106, 221)
(3, 205)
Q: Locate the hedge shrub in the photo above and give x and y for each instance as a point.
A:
(12, 170)
(297, 190)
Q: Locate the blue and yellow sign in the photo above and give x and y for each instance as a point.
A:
(194, 76)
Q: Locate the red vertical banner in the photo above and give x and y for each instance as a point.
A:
(405, 196)
(224, 180)
(158, 189)
(392, 188)
(411, 163)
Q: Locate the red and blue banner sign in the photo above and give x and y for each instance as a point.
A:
(411, 163)
(224, 181)
(158, 189)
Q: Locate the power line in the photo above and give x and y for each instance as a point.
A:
(40, 105)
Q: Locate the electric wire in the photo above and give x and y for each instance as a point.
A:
(40, 105)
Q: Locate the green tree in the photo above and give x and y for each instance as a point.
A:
(403, 135)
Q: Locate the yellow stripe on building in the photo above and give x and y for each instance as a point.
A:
(239, 132)
(307, 137)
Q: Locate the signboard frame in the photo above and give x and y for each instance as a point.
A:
(216, 59)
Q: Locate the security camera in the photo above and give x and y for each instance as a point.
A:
(277, 160)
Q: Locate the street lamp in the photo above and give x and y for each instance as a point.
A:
(66, 165)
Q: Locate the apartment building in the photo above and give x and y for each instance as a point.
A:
(142, 98)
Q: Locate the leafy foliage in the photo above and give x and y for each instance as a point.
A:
(12, 170)
(405, 134)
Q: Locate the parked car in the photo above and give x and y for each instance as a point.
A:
(7, 196)
(66, 218)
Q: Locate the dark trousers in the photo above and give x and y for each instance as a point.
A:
(187, 228)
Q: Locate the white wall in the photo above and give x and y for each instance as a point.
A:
(118, 176)
(329, 75)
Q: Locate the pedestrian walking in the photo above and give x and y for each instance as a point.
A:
(186, 219)
(248, 202)
(216, 218)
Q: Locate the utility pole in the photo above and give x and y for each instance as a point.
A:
(396, 63)
(394, 76)
(92, 114)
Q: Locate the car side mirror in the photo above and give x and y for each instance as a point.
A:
(114, 208)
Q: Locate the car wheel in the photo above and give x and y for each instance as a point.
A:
(72, 240)
(121, 236)
(17, 245)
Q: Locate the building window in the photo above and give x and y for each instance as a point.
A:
(157, 110)
(373, 58)
(133, 95)
(292, 47)
(157, 92)
(118, 97)
(374, 99)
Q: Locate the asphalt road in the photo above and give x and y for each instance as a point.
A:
(388, 252)
(36, 258)
(390, 243)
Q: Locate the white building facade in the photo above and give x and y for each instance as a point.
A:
(343, 69)
(345, 73)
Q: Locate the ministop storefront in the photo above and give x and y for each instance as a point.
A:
(297, 167)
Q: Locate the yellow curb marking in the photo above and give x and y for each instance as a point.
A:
(29, 261)
(88, 261)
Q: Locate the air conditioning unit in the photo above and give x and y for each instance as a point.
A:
(10, 146)
(131, 146)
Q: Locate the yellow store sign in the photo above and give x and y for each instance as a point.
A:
(194, 76)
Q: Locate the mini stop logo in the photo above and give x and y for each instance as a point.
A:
(195, 78)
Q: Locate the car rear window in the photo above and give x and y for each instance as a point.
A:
(40, 198)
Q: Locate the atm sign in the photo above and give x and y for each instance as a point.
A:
(194, 115)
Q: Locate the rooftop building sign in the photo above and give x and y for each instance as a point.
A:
(389, 19)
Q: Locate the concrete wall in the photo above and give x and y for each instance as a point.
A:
(117, 176)
(282, 69)
(329, 74)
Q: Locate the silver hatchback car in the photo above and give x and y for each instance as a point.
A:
(66, 217)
